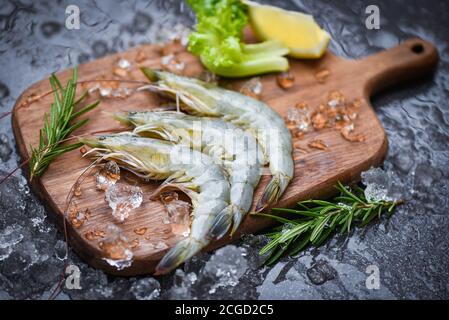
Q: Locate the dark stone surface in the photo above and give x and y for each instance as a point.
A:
(411, 250)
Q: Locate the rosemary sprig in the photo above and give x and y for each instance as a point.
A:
(318, 219)
(58, 125)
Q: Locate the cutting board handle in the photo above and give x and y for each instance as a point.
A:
(410, 60)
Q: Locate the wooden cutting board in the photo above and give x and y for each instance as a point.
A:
(316, 171)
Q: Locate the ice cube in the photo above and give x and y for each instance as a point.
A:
(105, 92)
(178, 213)
(165, 60)
(252, 87)
(299, 116)
(178, 210)
(378, 184)
(122, 199)
(116, 248)
(107, 176)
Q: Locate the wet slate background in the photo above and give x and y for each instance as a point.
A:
(411, 249)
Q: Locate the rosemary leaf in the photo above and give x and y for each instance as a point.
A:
(58, 125)
(318, 220)
(298, 212)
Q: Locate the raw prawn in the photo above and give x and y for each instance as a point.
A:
(191, 171)
(205, 99)
(236, 149)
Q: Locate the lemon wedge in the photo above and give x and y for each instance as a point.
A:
(297, 31)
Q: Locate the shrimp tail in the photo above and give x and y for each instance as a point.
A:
(92, 142)
(221, 223)
(273, 191)
(121, 117)
(151, 74)
(177, 255)
(237, 218)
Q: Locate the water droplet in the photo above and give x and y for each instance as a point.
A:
(95, 234)
(5, 149)
(142, 22)
(322, 75)
(77, 217)
(140, 231)
(50, 28)
(285, 80)
(77, 190)
(252, 88)
(83, 57)
(318, 144)
(321, 272)
(100, 49)
(161, 245)
(123, 64)
(4, 92)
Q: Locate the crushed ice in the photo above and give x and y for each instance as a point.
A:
(146, 289)
(299, 115)
(177, 32)
(227, 265)
(9, 237)
(181, 287)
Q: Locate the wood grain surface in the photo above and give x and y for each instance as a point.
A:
(316, 171)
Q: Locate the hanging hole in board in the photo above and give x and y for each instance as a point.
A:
(418, 48)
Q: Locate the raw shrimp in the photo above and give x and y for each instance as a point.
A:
(194, 173)
(236, 149)
(264, 123)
